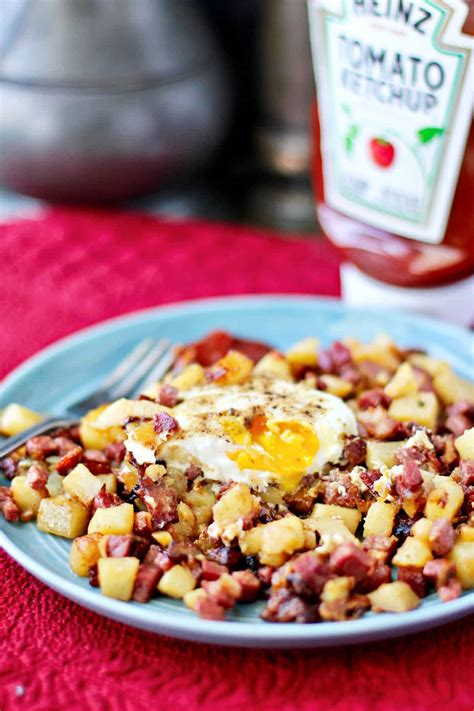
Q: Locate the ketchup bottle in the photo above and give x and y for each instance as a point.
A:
(393, 160)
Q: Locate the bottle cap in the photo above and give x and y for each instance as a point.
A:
(454, 302)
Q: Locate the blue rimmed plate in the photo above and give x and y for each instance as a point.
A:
(72, 366)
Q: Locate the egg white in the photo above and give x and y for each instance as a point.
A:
(202, 439)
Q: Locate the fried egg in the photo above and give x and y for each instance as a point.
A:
(264, 432)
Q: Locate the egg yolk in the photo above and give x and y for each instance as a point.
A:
(285, 448)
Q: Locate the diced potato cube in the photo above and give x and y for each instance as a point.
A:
(413, 552)
(280, 538)
(393, 597)
(433, 366)
(337, 589)
(176, 582)
(303, 353)
(379, 520)
(337, 386)
(463, 556)
(445, 500)
(155, 471)
(421, 529)
(16, 418)
(164, 538)
(410, 506)
(332, 531)
(27, 499)
(422, 408)
(62, 516)
(382, 351)
(466, 534)
(381, 454)
(403, 382)
(82, 484)
(274, 365)
(236, 503)
(117, 412)
(54, 485)
(465, 444)
(191, 376)
(186, 526)
(117, 577)
(192, 598)
(350, 517)
(115, 520)
(201, 499)
(251, 541)
(110, 482)
(84, 553)
(129, 477)
(94, 438)
(235, 366)
(451, 388)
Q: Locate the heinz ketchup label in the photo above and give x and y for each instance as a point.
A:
(395, 81)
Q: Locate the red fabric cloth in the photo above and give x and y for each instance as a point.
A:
(70, 269)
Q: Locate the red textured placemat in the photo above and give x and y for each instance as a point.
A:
(70, 269)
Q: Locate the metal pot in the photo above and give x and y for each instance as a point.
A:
(106, 99)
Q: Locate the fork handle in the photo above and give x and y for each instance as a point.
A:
(43, 427)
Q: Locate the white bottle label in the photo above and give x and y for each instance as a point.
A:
(395, 81)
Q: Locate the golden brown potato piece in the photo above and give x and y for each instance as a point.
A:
(27, 499)
(465, 444)
(176, 582)
(350, 517)
(236, 503)
(403, 383)
(337, 386)
(235, 366)
(304, 353)
(332, 530)
(192, 376)
(84, 553)
(421, 529)
(82, 484)
(413, 552)
(463, 556)
(251, 541)
(62, 516)
(466, 534)
(393, 597)
(422, 408)
(381, 454)
(281, 538)
(115, 520)
(379, 519)
(117, 577)
(201, 499)
(16, 418)
(274, 365)
(94, 438)
(445, 500)
(451, 388)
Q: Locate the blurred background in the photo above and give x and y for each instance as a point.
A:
(188, 108)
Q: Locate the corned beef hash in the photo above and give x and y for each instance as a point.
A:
(324, 482)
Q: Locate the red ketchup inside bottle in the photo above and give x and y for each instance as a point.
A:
(382, 254)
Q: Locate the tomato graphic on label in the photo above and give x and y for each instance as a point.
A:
(382, 152)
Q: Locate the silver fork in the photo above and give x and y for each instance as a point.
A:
(148, 362)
